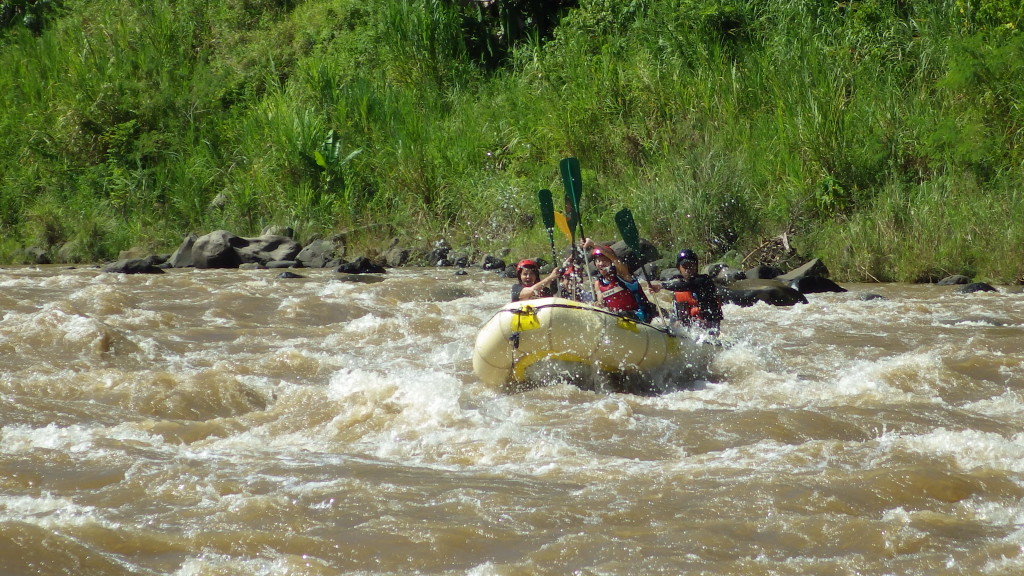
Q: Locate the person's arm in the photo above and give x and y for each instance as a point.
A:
(676, 284)
(531, 292)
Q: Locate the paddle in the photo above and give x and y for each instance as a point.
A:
(547, 214)
(627, 227)
(573, 182)
(562, 224)
(631, 236)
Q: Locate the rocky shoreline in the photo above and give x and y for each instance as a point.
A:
(276, 249)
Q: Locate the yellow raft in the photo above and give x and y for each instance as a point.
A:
(523, 336)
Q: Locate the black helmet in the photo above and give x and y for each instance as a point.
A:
(686, 255)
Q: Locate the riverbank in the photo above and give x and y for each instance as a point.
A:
(891, 151)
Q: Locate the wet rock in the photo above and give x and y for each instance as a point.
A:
(322, 253)
(763, 272)
(439, 255)
(289, 275)
(395, 255)
(974, 287)
(867, 296)
(459, 259)
(636, 259)
(750, 292)
(813, 268)
(216, 250)
(221, 249)
(810, 278)
(361, 265)
(264, 249)
(492, 262)
(723, 273)
(182, 257)
(955, 279)
(815, 285)
(133, 266)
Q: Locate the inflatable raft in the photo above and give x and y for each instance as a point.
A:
(547, 338)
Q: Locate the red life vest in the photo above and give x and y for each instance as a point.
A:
(617, 297)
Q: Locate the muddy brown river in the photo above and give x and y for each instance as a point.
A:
(207, 422)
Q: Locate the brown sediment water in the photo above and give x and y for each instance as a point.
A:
(231, 422)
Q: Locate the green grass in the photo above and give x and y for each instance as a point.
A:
(882, 137)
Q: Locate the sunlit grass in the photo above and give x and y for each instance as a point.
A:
(883, 138)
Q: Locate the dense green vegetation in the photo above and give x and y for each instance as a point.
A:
(882, 136)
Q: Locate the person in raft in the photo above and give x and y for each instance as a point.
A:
(616, 287)
(695, 295)
(530, 284)
(573, 280)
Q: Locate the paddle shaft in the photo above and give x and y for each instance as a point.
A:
(573, 182)
(547, 214)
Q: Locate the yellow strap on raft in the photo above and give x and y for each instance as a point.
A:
(627, 324)
(525, 318)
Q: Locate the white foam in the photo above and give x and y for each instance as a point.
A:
(970, 449)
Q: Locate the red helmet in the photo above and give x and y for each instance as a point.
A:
(526, 264)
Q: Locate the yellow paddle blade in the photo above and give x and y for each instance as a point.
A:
(563, 225)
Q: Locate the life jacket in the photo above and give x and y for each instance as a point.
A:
(616, 296)
(687, 307)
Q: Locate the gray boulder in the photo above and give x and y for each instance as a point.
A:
(322, 253)
(133, 266)
(182, 257)
(221, 249)
(723, 273)
(974, 287)
(492, 262)
(361, 265)
(750, 292)
(263, 249)
(763, 272)
(217, 250)
(813, 268)
(811, 278)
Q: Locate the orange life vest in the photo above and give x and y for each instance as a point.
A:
(687, 306)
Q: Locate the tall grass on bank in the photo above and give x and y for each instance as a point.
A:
(858, 129)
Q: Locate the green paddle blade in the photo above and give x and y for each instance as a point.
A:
(573, 182)
(572, 219)
(547, 208)
(627, 227)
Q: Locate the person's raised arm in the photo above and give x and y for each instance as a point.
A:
(535, 291)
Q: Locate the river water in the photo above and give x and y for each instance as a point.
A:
(208, 422)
